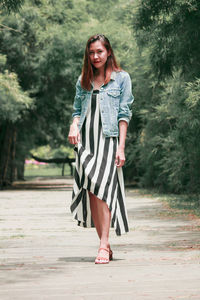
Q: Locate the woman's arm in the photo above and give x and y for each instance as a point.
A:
(120, 156)
(126, 99)
(124, 116)
(74, 135)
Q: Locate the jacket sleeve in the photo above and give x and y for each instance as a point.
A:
(77, 100)
(126, 100)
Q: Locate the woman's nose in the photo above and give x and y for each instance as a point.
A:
(95, 55)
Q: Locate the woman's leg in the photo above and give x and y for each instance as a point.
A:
(101, 217)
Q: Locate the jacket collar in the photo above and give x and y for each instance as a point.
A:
(112, 77)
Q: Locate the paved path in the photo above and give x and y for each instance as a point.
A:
(45, 255)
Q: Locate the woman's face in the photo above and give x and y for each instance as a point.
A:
(98, 54)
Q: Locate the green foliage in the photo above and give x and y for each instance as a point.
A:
(169, 145)
(41, 49)
(10, 5)
(47, 152)
(163, 143)
(2, 62)
(13, 101)
(171, 29)
(46, 48)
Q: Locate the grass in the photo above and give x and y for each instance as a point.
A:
(186, 203)
(189, 203)
(45, 171)
(19, 236)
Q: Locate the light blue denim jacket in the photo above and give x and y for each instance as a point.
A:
(115, 102)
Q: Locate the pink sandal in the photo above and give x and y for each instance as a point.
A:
(110, 254)
(103, 260)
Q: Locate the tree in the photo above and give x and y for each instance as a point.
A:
(11, 5)
(167, 148)
(14, 105)
(171, 30)
(44, 72)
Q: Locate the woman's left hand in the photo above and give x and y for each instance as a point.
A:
(120, 157)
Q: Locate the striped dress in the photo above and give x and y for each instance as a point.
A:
(95, 171)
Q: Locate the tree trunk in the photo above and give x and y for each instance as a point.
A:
(20, 168)
(8, 137)
(71, 168)
(63, 169)
(13, 154)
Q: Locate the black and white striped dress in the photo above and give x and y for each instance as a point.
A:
(95, 171)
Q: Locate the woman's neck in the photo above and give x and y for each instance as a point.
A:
(99, 79)
(100, 72)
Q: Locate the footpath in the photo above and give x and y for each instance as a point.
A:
(44, 255)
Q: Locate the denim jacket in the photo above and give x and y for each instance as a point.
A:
(115, 102)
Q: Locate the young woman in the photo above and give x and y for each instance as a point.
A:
(102, 111)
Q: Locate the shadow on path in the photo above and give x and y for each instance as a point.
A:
(44, 183)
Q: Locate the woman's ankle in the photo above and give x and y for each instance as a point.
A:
(104, 244)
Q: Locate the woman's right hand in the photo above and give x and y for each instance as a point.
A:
(74, 135)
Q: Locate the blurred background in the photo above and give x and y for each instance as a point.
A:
(42, 45)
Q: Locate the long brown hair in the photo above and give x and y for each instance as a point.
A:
(88, 69)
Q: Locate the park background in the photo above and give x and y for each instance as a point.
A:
(42, 45)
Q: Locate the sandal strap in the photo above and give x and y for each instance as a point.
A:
(102, 258)
(103, 249)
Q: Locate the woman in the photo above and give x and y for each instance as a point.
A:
(102, 111)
